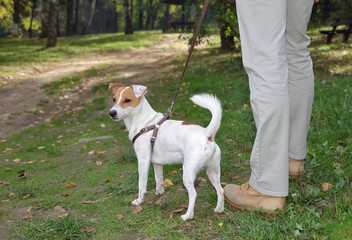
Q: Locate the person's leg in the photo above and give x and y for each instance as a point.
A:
(262, 30)
(301, 80)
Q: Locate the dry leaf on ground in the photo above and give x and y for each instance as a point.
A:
(137, 209)
(327, 186)
(71, 185)
(119, 216)
(168, 182)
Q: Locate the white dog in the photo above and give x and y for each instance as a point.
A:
(177, 142)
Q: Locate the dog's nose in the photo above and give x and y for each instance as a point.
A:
(113, 113)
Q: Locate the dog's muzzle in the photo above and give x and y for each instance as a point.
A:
(113, 114)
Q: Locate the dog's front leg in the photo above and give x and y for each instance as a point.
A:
(158, 172)
(143, 170)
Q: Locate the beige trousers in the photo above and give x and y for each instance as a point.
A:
(276, 57)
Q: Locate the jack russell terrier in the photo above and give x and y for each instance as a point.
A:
(177, 142)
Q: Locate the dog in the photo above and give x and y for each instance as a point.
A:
(176, 142)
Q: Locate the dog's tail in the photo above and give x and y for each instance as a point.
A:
(213, 104)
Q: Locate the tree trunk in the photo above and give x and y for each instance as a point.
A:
(52, 23)
(227, 42)
(128, 19)
(140, 14)
(78, 16)
(87, 24)
(16, 18)
(69, 17)
(45, 19)
(31, 21)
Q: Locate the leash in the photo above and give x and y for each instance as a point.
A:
(167, 115)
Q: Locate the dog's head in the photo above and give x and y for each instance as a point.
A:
(126, 99)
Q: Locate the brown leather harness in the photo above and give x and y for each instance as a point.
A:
(167, 115)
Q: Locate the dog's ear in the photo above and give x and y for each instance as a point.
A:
(114, 86)
(139, 90)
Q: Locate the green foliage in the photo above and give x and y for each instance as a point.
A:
(6, 11)
(203, 36)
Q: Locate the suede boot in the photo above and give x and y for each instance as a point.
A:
(296, 168)
(245, 197)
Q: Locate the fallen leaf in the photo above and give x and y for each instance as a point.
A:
(84, 147)
(3, 140)
(42, 161)
(245, 105)
(2, 183)
(8, 149)
(22, 174)
(27, 217)
(223, 183)
(59, 209)
(70, 185)
(91, 152)
(90, 229)
(102, 125)
(99, 152)
(98, 163)
(120, 151)
(327, 186)
(137, 209)
(173, 173)
(66, 194)
(60, 136)
(167, 182)
(200, 179)
(108, 194)
(107, 180)
(220, 224)
(118, 216)
(90, 202)
(41, 147)
(178, 210)
(28, 195)
(8, 169)
(62, 215)
(17, 160)
(12, 194)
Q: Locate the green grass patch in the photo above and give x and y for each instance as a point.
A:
(24, 51)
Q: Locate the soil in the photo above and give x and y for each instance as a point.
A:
(21, 98)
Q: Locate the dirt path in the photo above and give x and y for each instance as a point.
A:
(19, 100)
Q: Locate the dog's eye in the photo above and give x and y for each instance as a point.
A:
(127, 100)
(114, 99)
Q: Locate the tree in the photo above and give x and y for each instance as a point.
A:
(34, 5)
(45, 19)
(52, 23)
(225, 12)
(16, 18)
(86, 24)
(128, 19)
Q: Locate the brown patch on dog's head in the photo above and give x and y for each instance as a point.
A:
(127, 96)
(115, 86)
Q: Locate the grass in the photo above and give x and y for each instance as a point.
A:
(26, 52)
(52, 158)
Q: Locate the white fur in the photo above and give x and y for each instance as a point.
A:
(191, 145)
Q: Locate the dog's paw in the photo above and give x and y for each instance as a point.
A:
(137, 202)
(219, 210)
(186, 217)
(159, 191)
